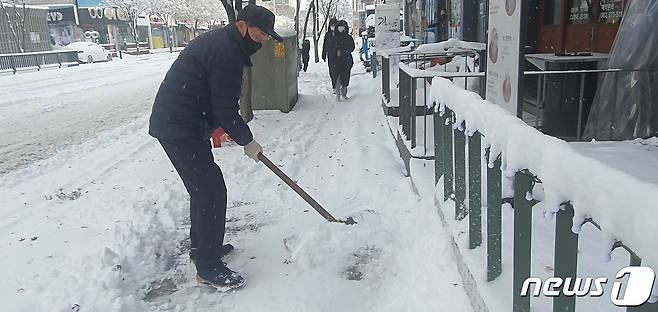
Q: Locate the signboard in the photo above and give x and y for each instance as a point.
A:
(279, 50)
(611, 11)
(61, 15)
(580, 12)
(504, 54)
(387, 26)
(98, 15)
(88, 3)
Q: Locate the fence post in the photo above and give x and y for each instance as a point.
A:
(522, 238)
(403, 98)
(386, 78)
(438, 146)
(412, 110)
(635, 260)
(474, 191)
(447, 154)
(494, 219)
(566, 256)
(460, 174)
(373, 64)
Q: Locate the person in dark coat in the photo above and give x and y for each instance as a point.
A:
(306, 49)
(198, 95)
(343, 45)
(328, 50)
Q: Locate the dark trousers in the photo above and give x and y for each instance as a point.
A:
(342, 77)
(332, 73)
(204, 182)
(305, 62)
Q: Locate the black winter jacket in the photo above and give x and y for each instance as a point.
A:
(306, 49)
(344, 43)
(201, 90)
(328, 47)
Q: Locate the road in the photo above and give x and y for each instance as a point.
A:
(43, 112)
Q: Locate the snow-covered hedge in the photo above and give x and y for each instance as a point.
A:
(623, 205)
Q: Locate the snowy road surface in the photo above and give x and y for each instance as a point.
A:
(96, 218)
(42, 112)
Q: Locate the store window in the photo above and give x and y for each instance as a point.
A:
(455, 13)
(552, 9)
(610, 11)
(580, 12)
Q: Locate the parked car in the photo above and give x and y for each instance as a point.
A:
(89, 52)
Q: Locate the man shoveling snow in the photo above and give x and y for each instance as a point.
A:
(199, 95)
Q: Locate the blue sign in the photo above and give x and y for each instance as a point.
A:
(89, 3)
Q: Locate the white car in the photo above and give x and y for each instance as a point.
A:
(89, 52)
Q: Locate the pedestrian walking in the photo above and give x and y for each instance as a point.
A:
(329, 51)
(306, 49)
(344, 46)
(198, 95)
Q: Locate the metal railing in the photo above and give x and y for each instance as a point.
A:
(408, 102)
(408, 98)
(15, 62)
(451, 165)
(457, 159)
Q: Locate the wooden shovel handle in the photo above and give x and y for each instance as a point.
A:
(324, 213)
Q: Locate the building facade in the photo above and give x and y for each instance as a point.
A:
(551, 25)
(29, 31)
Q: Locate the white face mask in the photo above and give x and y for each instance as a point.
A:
(332, 28)
(341, 28)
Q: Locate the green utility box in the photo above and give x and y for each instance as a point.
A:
(274, 75)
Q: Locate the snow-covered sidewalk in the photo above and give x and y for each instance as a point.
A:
(103, 225)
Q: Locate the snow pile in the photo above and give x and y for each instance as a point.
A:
(596, 190)
(447, 70)
(370, 20)
(388, 52)
(285, 26)
(449, 44)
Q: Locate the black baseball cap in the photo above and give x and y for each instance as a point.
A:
(260, 17)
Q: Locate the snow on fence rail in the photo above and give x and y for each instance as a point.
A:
(576, 188)
(36, 60)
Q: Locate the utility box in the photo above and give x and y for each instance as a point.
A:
(274, 75)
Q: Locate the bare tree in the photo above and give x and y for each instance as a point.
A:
(230, 10)
(316, 35)
(311, 7)
(132, 9)
(203, 11)
(246, 108)
(15, 16)
(299, 3)
(328, 10)
(168, 11)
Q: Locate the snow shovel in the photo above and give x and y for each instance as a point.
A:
(325, 214)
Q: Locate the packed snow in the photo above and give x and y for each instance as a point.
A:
(96, 219)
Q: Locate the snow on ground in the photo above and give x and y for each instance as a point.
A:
(43, 112)
(97, 219)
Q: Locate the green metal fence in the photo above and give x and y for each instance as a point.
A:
(450, 164)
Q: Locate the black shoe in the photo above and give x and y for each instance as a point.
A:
(226, 249)
(220, 278)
